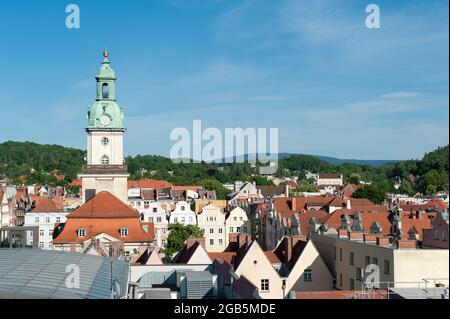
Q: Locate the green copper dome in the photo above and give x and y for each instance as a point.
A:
(105, 113)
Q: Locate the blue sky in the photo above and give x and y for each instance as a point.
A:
(310, 68)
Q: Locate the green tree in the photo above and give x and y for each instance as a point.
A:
(214, 185)
(407, 187)
(178, 234)
(372, 192)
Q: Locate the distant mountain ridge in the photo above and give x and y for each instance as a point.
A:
(339, 161)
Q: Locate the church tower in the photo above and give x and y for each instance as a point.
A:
(105, 169)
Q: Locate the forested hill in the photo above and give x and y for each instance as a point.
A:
(35, 162)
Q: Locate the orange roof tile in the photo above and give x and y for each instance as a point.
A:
(45, 205)
(150, 183)
(104, 205)
(105, 213)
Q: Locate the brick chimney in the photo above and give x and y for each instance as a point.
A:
(293, 203)
(369, 238)
(343, 233)
(190, 242)
(355, 235)
(406, 244)
(201, 241)
(243, 239)
(382, 241)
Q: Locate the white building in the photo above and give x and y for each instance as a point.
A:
(212, 221)
(183, 214)
(154, 213)
(237, 222)
(45, 215)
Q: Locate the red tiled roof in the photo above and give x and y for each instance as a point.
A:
(418, 224)
(334, 220)
(110, 226)
(45, 205)
(273, 258)
(227, 256)
(149, 183)
(104, 205)
(104, 213)
(185, 188)
(284, 204)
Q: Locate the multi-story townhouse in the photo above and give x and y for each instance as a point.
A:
(154, 213)
(212, 221)
(236, 222)
(183, 214)
(45, 215)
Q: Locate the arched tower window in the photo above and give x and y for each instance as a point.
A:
(105, 160)
(105, 91)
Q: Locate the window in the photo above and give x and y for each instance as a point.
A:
(150, 219)
(375, 260)
(41, 232)
(340, 254)
(352, 259)
(220, 230)
(158, 219)
(81, 232)
(241, 219)
(359, 274)
(231, 229)
(183, 219)
(367, 261)
(238, 229)
(307, 275)
(211, 242)
(235, 218)
(142, 217)
(36, 220)
(105, 160)
(335, 253)
(155, 210)
(50, 232)
(386, 267)
(58, 219)
(264, 285)
(352, 284)
(340, 280)
(220, 241)
(124, 232)
(211, 230)
(146, 202)
(105, 91)
(245, 229)
(105, 141)
(183, 208)
(41, 244)
(47, 220)
(175, 219)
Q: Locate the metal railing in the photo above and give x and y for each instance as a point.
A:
(426, 288)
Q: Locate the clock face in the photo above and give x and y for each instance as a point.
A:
(105, 119)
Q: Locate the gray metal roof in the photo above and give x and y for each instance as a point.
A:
(34, 273)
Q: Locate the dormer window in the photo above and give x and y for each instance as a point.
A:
(124, 232)
(105, 91)
(105, 160)
(81, 232)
